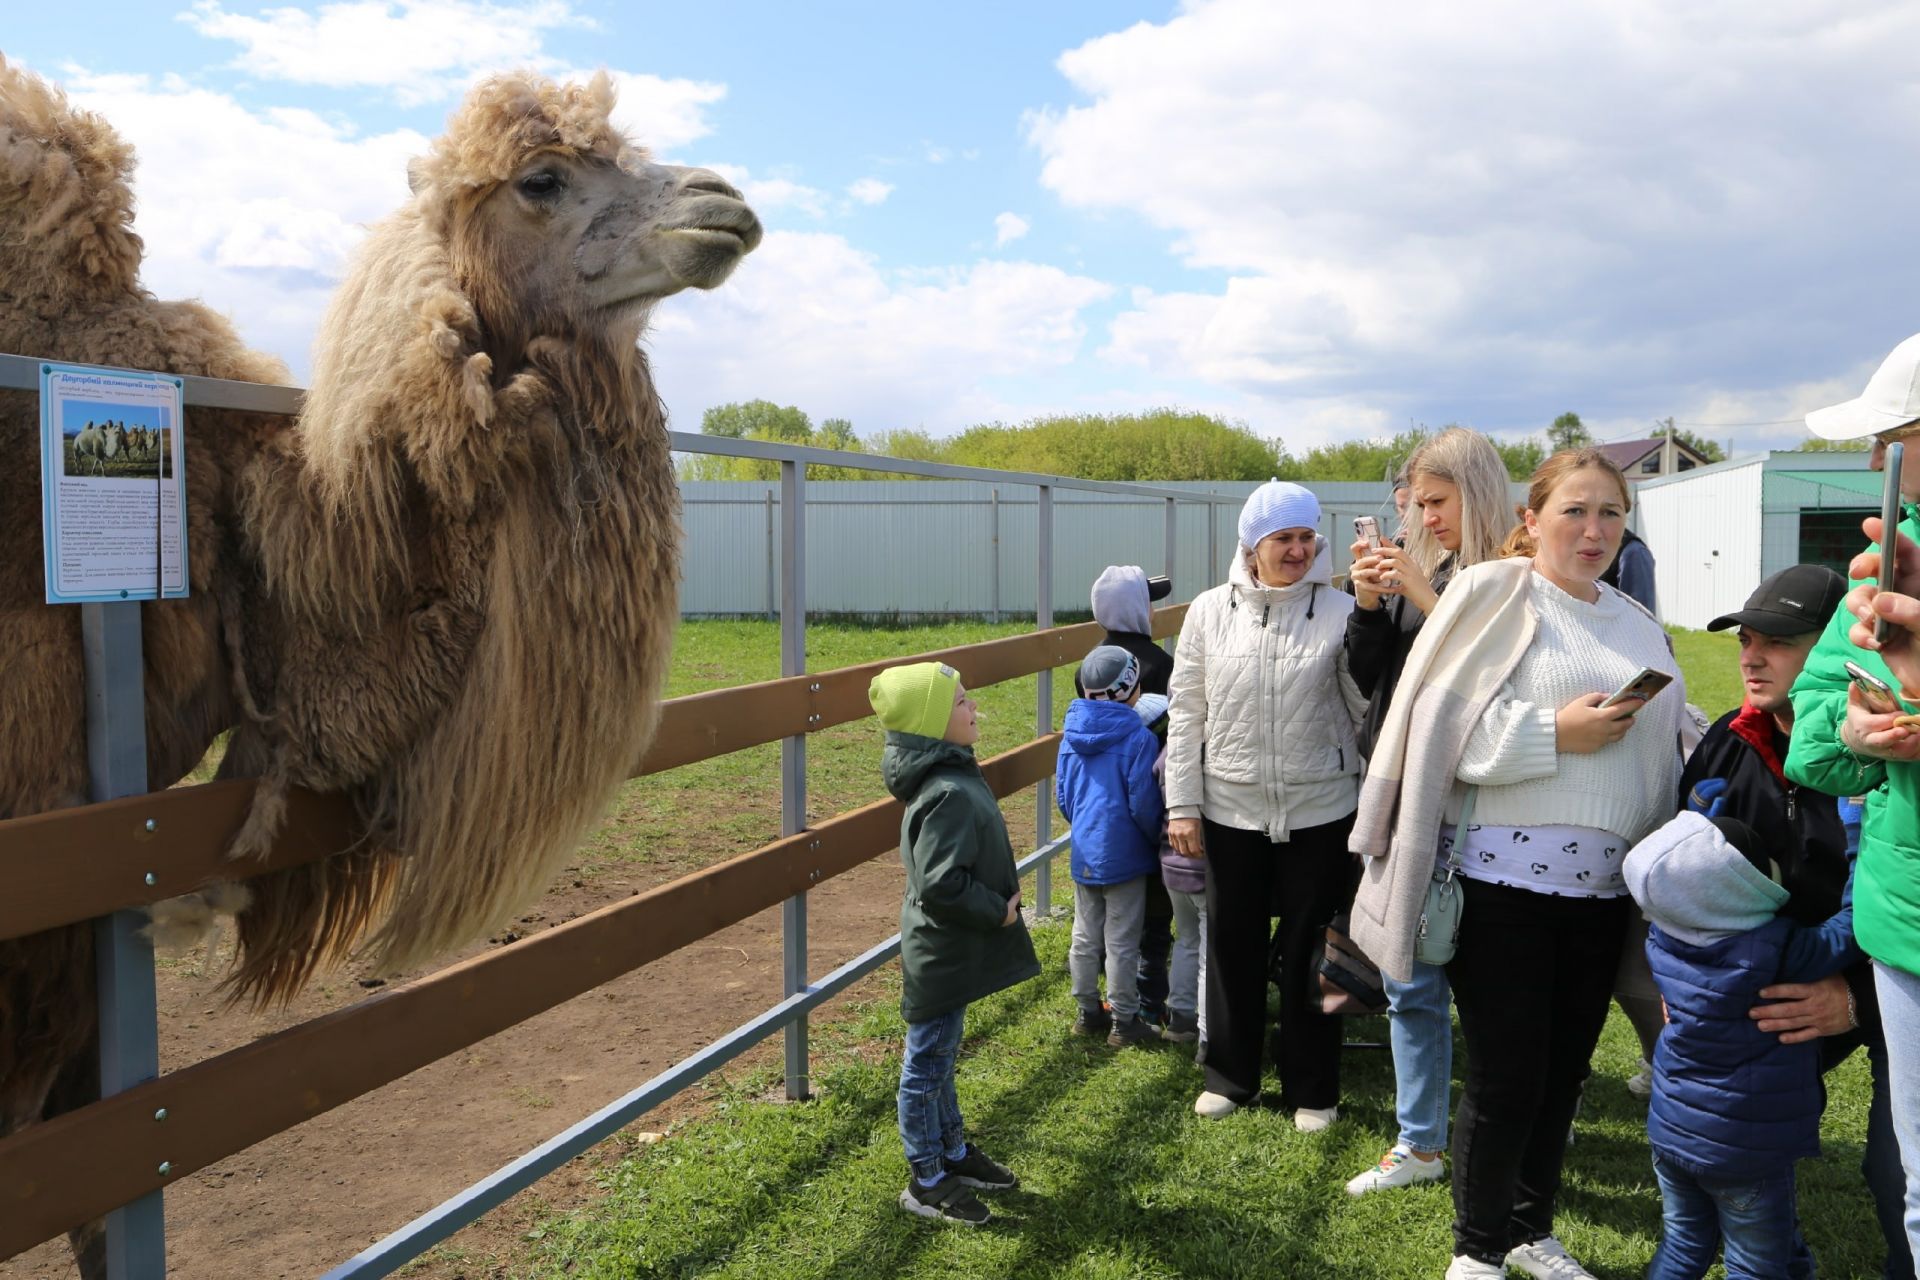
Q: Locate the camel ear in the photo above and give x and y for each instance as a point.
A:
(417, 174)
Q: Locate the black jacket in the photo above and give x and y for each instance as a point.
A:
(1156, 664)
(1378, 641)
(1743, 752)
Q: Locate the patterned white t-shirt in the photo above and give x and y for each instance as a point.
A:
(1567, 862)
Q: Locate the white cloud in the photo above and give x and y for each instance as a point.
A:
(421, 50)
(1008, 227)
(264, 242)
(1502, 210)
(773, 196)
(811, 320)
(659, 113)
(870, 191)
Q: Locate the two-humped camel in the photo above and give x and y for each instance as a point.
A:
(448, 591)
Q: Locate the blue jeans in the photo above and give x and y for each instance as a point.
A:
(1420, 1027)
(1899, 993)
(930, 1126)
(1756, 1221)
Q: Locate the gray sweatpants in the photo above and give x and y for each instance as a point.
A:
(1106, 927)
(1187, 976)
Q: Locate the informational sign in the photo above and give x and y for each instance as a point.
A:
(113, 485)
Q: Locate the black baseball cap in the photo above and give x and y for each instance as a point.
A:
(1792, 602)
(1159, 587)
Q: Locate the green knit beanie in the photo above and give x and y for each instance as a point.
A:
(916, 698)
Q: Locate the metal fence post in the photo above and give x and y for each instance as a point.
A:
(1173, 535)
(1213, 540)
(136, 1241)
(1043, 701)
(793, 752)
(770, 572)
(995, 516)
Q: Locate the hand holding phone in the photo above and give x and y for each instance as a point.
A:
(1644, 684)
(1875, 692)
(1367, 529)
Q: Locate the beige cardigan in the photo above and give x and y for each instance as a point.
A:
(1469, 647)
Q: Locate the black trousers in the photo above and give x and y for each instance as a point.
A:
(1156, 945)
(1532, 978)
(1307, 881)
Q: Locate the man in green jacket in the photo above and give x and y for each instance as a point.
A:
(1842, 748)
(961, 935)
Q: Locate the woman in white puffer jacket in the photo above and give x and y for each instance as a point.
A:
(1262, 777)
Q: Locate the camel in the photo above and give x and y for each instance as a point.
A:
(448, 591)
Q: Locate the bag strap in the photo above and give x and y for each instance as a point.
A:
(1460, 830)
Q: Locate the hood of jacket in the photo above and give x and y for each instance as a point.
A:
(1120, 601)
(1696, 886)
(1096, 726)
(908, 758)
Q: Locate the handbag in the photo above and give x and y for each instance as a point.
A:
(1349, 982)
(1439, 931)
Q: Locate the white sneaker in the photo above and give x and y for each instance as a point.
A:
(1547, 1259)
(1214, 1105)
(1465, 1268)
(1640, 1083)
(1398, 1168)
(1314, 1119)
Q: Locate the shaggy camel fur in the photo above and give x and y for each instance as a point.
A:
(70, 290)
(453, 583)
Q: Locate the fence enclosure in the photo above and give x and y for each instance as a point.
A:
(129, 850)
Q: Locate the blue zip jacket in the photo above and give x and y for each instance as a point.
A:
(1104, 784)
(1728, 1099)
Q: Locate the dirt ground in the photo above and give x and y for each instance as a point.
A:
(310, 1198)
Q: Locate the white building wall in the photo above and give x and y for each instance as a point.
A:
(1705, 534)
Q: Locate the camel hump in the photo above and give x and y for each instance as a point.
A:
(65, 183)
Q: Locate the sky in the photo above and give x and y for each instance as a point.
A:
(1327, 222)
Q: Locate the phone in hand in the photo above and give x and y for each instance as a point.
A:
(1367, 529)
(1645, 683)
(1889, 531)
(1875, 692)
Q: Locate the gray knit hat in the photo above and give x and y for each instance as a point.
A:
(1109, 672)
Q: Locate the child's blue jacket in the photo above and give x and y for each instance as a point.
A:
(1106, 790)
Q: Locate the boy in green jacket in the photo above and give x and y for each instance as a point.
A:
(1840, 747)
(961, 936)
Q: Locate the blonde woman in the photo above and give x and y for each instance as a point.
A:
(1458, 514)
(1505, 685)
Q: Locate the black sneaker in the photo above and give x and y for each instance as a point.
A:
(1093, 1022)
(948, 1200)
(1133, 1031)
(977, 1169)
(1182, 1028)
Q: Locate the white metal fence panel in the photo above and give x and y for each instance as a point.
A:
(1706, 540)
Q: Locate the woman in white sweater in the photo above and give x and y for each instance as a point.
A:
(1564, 788)
(1262, 777)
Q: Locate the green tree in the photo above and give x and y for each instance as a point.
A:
(757, 420)
(765, 420)
(1819, 445)
(1568, 432)
(1158, 445)
(1523, 457)
(1708, 449)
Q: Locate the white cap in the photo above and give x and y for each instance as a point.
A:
(1892, 399)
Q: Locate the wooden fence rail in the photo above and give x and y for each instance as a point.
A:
(56, 1175)
(137, 851)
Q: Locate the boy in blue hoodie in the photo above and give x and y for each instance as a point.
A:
(1732, 1107)
(1105, 787)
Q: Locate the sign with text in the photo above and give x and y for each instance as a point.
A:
(113, 485)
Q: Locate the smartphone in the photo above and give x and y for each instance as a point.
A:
(1889, 531)
(1875, 692)
(1643, 686)
(1367, 529)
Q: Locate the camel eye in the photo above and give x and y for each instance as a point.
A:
(541, 185)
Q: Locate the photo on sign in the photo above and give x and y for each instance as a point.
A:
(114, 441)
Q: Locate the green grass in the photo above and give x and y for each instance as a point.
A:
(1119, 1178)
(1710, 661)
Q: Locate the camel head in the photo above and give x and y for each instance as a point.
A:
(555, 223)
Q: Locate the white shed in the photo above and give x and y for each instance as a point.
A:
(1717, 531)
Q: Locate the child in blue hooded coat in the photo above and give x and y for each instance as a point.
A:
(1732, 1106)
(1105, 787)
